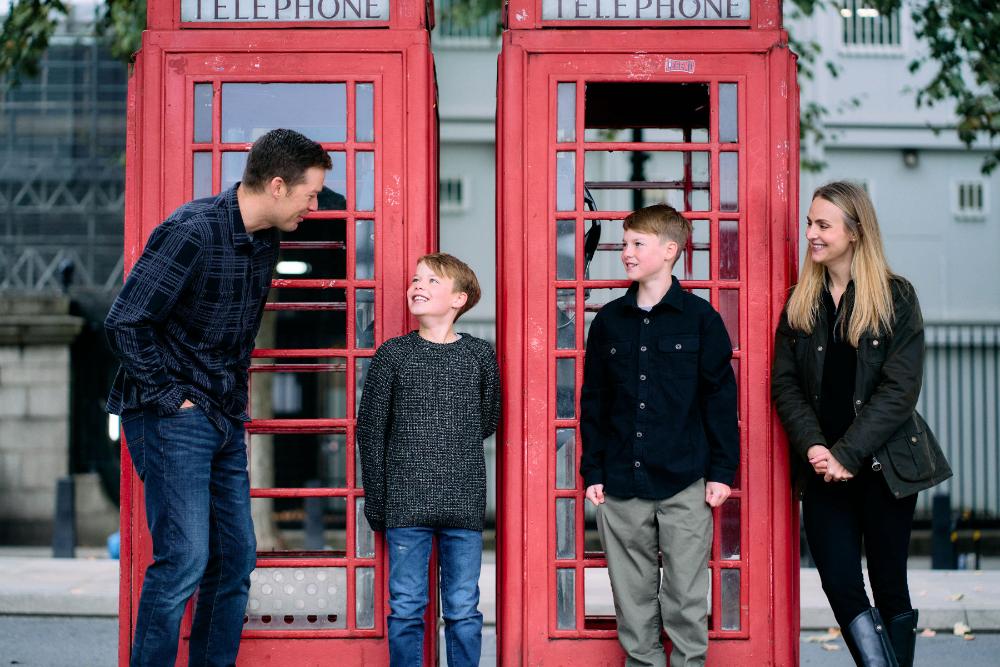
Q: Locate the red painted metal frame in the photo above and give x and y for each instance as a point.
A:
(159, 178)
(531, 63)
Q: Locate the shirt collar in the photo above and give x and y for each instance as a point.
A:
(673, 298)
(242, 240)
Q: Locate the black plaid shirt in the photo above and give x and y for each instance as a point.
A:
(184, 324)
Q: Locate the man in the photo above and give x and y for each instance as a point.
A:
(183, 328)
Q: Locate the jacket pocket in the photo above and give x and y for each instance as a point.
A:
(910, 451)
(677, 355)
(872, 350)
(617, 357)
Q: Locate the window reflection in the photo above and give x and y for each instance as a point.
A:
(317, 110)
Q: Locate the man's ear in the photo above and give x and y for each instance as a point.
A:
(458, 300)
(277, 187)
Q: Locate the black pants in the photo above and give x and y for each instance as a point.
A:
(841, 516)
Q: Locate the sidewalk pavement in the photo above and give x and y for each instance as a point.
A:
(88, 586)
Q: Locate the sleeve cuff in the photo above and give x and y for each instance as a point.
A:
(727, 477)
(842, 452)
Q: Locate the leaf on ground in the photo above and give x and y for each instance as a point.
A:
(928, 633)
(956, 597)
(968, 637)
(961, 629)
(827, 646)
(832, 634)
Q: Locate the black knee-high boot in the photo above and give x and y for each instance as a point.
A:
(903, 633)
(868, 640)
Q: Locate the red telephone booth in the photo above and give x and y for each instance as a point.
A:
(606, 107)
(357, 76)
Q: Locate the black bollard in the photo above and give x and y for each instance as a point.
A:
(943, 556)
(64, 529)
(314, 520)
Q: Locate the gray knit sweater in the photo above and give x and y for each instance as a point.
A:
(425, 411)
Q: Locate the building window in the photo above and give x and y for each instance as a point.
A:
(451, 194)
(864, 28)
(970, 199)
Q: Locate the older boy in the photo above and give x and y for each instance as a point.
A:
(430, 399)
(660, 442)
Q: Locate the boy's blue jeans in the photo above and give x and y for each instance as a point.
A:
(198, 511)
(460, 553)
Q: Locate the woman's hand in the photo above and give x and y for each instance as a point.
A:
(834, 471)
(818, 456)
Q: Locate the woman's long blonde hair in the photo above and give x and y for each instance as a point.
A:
(872, 311)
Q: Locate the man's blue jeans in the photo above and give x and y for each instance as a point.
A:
(198, 511)
(460, 553)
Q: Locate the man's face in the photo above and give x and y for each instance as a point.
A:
(294, 202)
(644, 255)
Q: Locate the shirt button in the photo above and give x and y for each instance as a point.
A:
(645, 320)
(613, 350)
(677, 347)
(820, 348)
(642, 377)
(638, 434)
(857, 402)
(637, 464)
(642, 349)
(875, 343)
(913, 438)
(642, 406)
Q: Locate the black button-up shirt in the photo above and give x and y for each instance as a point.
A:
(184, 324)
(658, 406)
(840, 362)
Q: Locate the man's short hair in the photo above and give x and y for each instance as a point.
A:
(464, 277)
(662, 220)
(283, 153)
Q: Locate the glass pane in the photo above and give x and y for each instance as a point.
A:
(729, 308)
(333, 196)
(565, 528)
(317, 110)
(305, 598)
(729, 249)
(702, 293)
(326, 259)
(661, 112)
(233, 164)
(364, 249)
(565, 181)
(311, 329)
(364, 325)
(597, 600)
(566, 112)
(364, 595)
(566, 599)
(309, 394)
(730, 594)
(364, 105)
(729, 516)
(202, 176)
(203, 112)
(565, 319)
(565, 458)
(694, 264)
(361, 372)
(298, 460)
(565, 388)
(735, 363)
(591, 539)
(364, 537)
(604, 237)
(595, 299)
(364, 178)
(565, 249)
(300, 524)
(627, 180)
(729, 190)
(728, 132)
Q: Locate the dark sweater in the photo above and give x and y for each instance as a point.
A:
(425, 411)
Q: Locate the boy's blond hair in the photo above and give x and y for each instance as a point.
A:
(463, 276)
(662, 220)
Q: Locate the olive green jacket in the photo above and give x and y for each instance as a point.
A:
(886, 428)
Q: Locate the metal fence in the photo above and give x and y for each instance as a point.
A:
(960, 402)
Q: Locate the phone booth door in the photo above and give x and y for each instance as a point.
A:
(317, 595)
(603, 134)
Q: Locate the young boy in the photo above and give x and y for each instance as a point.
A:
(430, 399)
(660, 442)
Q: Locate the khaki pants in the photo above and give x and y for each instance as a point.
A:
(632, 531)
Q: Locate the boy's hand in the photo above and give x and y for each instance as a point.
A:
(716, 493)
(595, 493)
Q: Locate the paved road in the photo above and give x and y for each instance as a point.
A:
(48, 641)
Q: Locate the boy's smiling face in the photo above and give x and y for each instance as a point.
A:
(646, 255)
(432, 295)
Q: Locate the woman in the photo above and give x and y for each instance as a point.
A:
(848, 364)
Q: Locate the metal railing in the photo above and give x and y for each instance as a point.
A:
(961, 403)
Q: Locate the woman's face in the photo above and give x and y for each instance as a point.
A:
(830, 239)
